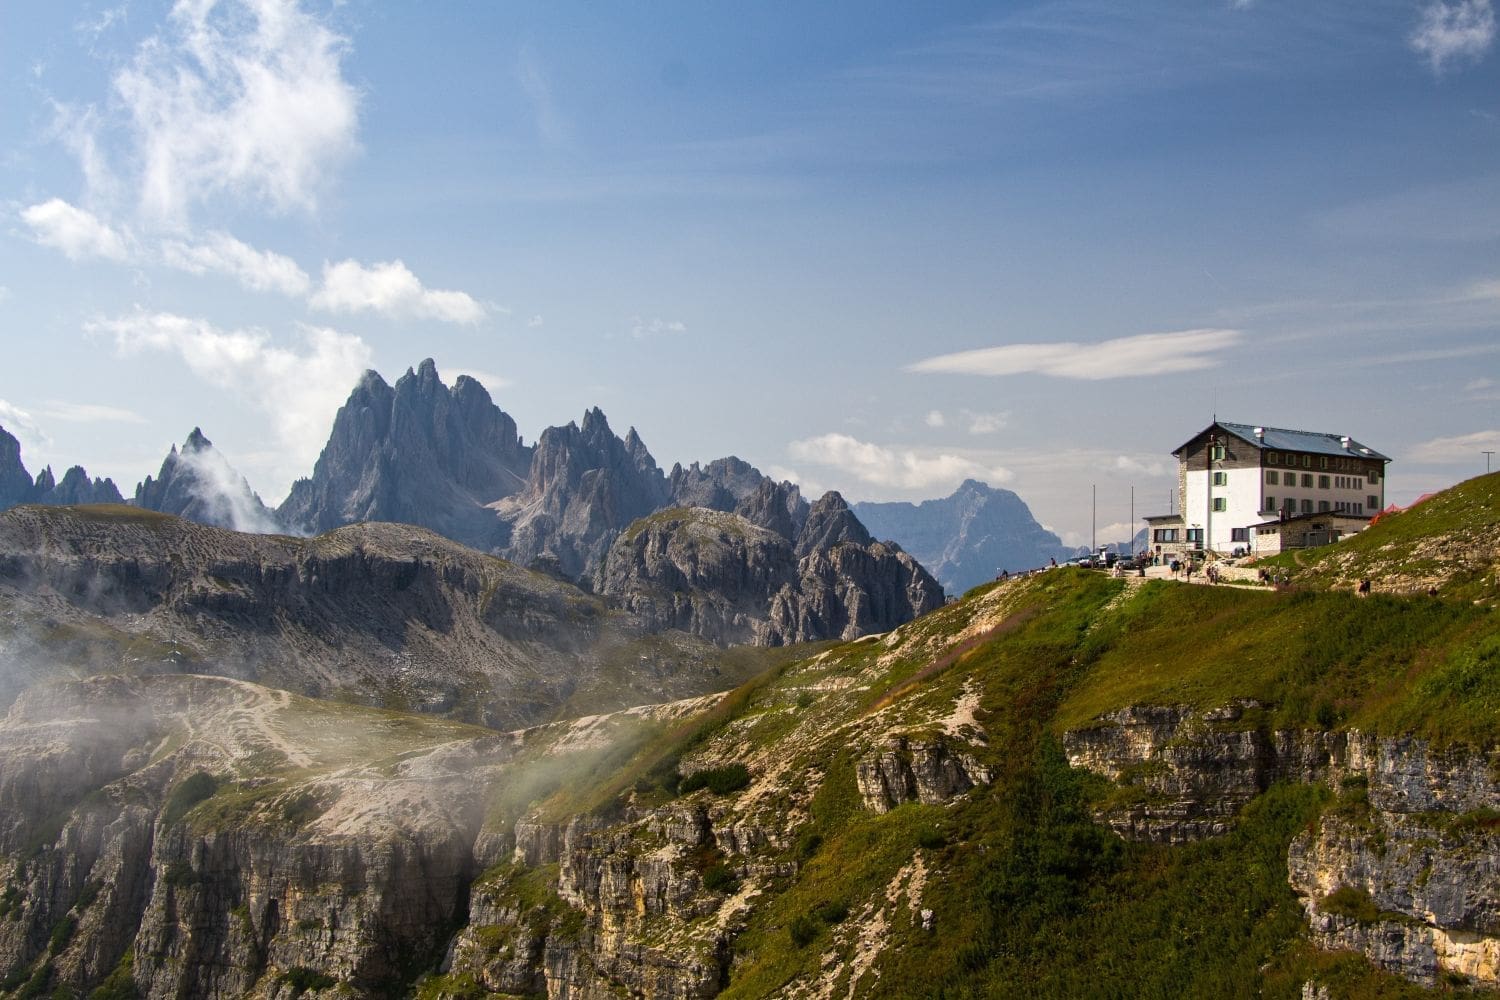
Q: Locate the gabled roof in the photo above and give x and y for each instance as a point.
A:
(1281, 439)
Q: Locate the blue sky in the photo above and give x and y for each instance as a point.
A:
(877, 250)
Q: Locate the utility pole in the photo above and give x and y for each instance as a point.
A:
(1132, 522)
(1094, 522)
(1486, 455)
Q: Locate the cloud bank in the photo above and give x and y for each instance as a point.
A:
(1461, 31)
(892, 467)
(392, 289)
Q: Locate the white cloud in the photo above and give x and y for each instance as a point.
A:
(534, 322)
(77, 232)
(935, 418)
(241, 98)
(1461, 30)
(1461, 449)
(1136, 467)
(809, 487)
(1144, 354)
(24, 428)
(640, 329)
(986, 423)
(1479, 385)
(90, 413)
(298, 391)
(891, 467)
(225, 493)
(257, 270)
(389, 287)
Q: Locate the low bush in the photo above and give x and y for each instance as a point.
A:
(719, 780)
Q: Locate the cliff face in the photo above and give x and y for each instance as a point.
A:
(720, 576)
(416, 453)
(1405, 868)
(378, 613)
(210, 838)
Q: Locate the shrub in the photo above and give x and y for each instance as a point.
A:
(179, 874)
(803, 930)
(719, 878)
(931, 839)
(808, 842)
(301, 979)
(62, 933)
(1347, 901)
(719, 780)
(831, 913)
(197, 787)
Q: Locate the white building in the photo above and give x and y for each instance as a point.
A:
(1232, 477)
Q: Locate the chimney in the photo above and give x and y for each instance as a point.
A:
(1260, 433)
(1345, 442)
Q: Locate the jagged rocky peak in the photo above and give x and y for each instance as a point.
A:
(17, 486)
(829, 522)
(199, 484)
(419, 453)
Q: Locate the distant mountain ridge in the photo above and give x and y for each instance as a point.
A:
(199, 484)
(18, 487)
(968, 537)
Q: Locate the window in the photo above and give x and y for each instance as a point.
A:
(1307, 480)
(1221, 503)
(1322, 482)
(1270, 504)
(1372, 502)
(1221, 479)
(1239, 534)
(1307, 461)
(1372, 474)
(1307, 506)
(1195, 536)
(1322, 506)
(1272, 458)
(1164, 535)
(1271, 476)
(1216, 452)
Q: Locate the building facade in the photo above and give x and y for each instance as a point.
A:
(1232, 478)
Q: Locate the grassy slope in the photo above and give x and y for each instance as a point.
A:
(1451, 540)
(1031, 896)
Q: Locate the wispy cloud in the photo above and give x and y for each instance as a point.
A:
(550, 123)
(90, 413)
(1457, 31)
(935, 418)
(391, 288)
(244, 99)
(1123, 357)
(220, 253)
(296, 390)
(76, 232)
(892, 467)
(1461, 449)
(986, 423)
(535, 322)
(1134, 466)
(20, 423)
(641, 329)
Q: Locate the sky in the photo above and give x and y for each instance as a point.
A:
(868, 248)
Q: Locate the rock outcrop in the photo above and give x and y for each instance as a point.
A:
(377, 613)
(1406, 867)
(967, 538)
(199, 484)
(719, 576)
(17, 486)
(926, 771)
(584, 487)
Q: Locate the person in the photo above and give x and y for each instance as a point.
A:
(1364, 587)
(1052, 563)
(1175, 567)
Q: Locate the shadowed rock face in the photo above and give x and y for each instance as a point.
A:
(722, 577)
(376, 613)
(17, 486)
(416, 453)
(967, 538)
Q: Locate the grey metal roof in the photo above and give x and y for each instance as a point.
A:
(1281, 439)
